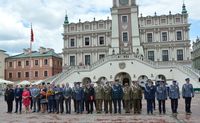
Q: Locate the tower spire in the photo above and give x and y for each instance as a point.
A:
(66, 18)
(184, 11)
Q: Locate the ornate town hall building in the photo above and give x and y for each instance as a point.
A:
(128, 46)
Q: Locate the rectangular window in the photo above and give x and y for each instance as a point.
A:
(101, 40)
(163, 21)
(45, 73)
(178, 20)
(36, 62)
(19, 63)
(151, 55)
(27, 74)
(27, 63)
(72, 28)
(180, 55)
(164, 36)
(87, 59)
(87, 41)
(179, 35)
(165, 56)
(19, 75)
(124, 19)
(148, 22)
(46, 62)
(101, 26)
(125, 36)
(149, 37)
(10, 64)
(87, 27)
(36, 73)
(101, 56)
(10, 75)
(72, 60)
(72, 42)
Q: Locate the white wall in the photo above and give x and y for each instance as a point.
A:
(111, 69)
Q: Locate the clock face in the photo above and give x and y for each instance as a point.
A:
(123, 2)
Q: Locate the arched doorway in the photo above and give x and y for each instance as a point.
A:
(102, 80)
(121, 76)
(142, 80)
(86, 80)
(160, 77)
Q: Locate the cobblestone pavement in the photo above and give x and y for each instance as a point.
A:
(106, 118)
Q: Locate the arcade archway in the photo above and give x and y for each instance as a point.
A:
(159, 78)
(102, 80)
(142, 80)
(86, 80)
(121, 76)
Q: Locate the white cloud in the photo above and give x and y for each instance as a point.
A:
(47, 17)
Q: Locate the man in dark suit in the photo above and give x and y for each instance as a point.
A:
(18, 99)
(9, 98)
(117, 94)
(89, 98)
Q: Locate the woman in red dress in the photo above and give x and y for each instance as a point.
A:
(26, 98)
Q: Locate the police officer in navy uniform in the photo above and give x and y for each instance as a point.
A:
(9, 98)
(18, 99)
(149, 94)
(117, 94)
(161, 94)
(79, 95)
(174, 95)
(188, 93)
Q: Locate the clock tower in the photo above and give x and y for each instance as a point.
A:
(125, 28)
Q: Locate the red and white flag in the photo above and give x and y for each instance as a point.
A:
(32, 34)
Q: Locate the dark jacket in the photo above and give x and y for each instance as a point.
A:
(149, 92)
(9, 95)
(79, 94)
(117, 92)
(67, 93)
(89, 94)
(18, 93)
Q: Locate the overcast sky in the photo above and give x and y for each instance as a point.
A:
(47, 17)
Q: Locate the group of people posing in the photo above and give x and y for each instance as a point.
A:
(58, 99)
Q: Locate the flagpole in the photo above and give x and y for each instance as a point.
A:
(31, 40)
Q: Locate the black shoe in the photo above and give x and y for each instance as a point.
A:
(15, 112)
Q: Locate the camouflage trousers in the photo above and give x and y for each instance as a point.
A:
(108, 103)
(127, 106)
(99, 105)
(136, 105)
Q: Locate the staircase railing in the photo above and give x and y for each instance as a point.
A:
(72, 69)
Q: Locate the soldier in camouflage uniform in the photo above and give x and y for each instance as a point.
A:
(127, 95)
(99, 92)
(136, 97)
(107, 98)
